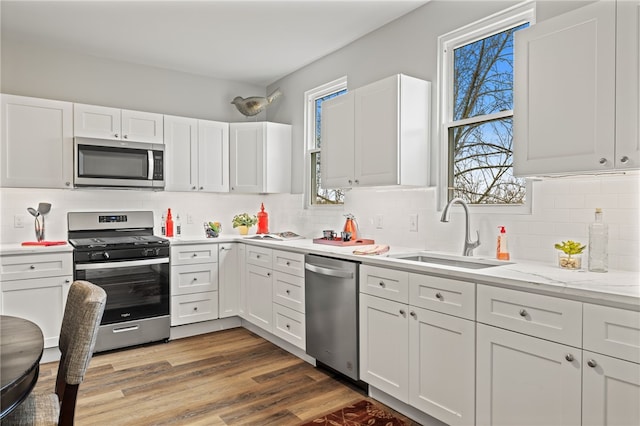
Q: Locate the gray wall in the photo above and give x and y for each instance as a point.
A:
(407, 45)
(44, 72)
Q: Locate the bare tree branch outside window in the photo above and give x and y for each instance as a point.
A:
(480, 132)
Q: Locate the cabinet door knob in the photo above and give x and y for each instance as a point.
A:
(125, 136)
(413, 314)
(67, 281)
(195, 278)
(439, 296)
(288, 291)
(67, 183)
(624, 160)
(232, 188)
(602, 161)
(222, 248)
(523, 313)
(402, 312)
(32, 267)
(350, 181)
(201, 188)
(288, 263)
(195, 308)
(357, 181)
(115, 135)
(195, 254)
(193, 187)
(569, 357)
(288, 326)
(268, 274)
(591, 363)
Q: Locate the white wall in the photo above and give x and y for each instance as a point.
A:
(562, 208)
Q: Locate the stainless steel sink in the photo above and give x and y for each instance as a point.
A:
(456, 261)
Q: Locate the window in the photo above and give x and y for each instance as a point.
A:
(317, 194)
(476, 93)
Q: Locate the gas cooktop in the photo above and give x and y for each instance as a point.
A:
(132, 240)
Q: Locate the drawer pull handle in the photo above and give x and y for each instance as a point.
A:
(222, 248)
(195, 278)
(569, 357)
(288, 326)
(523, 313)
(268, 274)
(195, 308)
(381, 283)
(257, 256)
(413, 314)
(439, 296)
(288, 292)
(195, 254)
(67, 281)
(591, 363)
(32, 267)
(288, 263)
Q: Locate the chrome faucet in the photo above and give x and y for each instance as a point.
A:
(468, 244)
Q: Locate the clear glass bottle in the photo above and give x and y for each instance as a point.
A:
(163, 226)
(598, 244)
(178, 226)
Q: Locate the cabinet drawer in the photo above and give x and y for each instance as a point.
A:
(546, 317)
(443, 295)
(288, 290)
(289, 325)
(612, 331)
(387, 283)
(195, 253)
(186, 279)
(189, 308)
(288, 262)
(20, 266)
(259, 256)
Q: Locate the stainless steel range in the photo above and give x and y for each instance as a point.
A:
(118, 252)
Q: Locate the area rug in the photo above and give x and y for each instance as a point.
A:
(362, 413)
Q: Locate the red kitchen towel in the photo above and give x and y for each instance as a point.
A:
(44, 243)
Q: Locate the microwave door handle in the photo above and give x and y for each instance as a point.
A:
(150, 162)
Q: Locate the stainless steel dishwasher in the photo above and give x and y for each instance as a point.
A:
(331, 309)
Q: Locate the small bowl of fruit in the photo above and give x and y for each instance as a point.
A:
(212, 229)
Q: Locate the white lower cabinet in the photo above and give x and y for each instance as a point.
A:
(194, 283)
(422, 357)
(259, 308)
(611, 391)
(35, 287)
(523, 380)
(289, 297)
(228, 280)
(442, 366)
(384, 345)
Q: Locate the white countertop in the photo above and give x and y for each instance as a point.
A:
(614, 288)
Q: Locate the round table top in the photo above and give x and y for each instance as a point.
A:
(21, 346)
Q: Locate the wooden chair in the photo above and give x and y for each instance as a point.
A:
(82, 315)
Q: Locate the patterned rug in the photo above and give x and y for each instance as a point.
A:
(362, 413)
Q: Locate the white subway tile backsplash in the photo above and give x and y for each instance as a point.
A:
(562, 209)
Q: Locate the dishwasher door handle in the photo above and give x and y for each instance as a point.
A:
(339, 273)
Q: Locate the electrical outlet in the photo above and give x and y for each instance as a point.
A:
(413, 222)
(379, 220)
(189, 219)
(18, 221)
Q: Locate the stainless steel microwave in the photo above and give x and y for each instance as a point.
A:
(114, 163)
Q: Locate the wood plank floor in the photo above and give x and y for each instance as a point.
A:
(230, 377)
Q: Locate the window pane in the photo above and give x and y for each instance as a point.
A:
(318, 114)
(322, 195)
(483, 76)
(482, 159)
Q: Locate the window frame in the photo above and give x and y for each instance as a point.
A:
(310, 97)
(447, 43)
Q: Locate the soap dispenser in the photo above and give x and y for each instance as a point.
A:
(502, 251)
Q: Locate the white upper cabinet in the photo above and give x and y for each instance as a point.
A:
(572, 113)
(94, 121)
(260, 157)
(196, 155)
(628, 85)
(37, 143)
(377, 135)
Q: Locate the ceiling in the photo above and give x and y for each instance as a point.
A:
(255, 42)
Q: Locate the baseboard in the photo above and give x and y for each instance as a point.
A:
(188, 330)
(405, 409)
(279, 342)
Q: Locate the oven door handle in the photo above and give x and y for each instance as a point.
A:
(125, 264)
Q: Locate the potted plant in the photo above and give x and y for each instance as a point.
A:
(243, 222)
(571, 256)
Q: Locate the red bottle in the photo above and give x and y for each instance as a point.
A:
(263, 221)
(169, 224)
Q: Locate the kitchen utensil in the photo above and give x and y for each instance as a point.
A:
(351, 225)
(329, 234)
(33, 211)
(44, 208)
